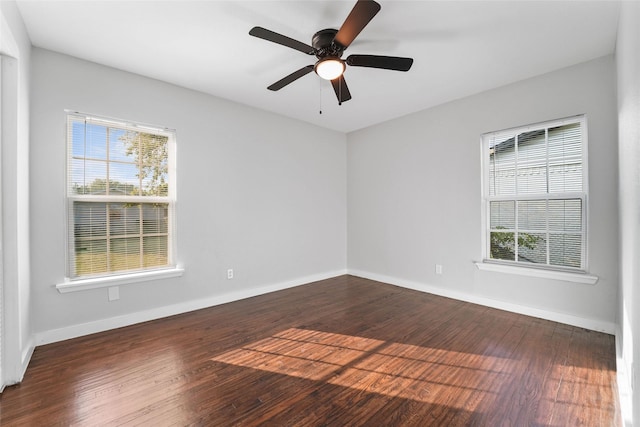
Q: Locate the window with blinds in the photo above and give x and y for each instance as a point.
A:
(120, 197)
(535, 190)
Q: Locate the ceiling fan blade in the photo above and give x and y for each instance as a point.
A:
(291, 78)
(378, 61)
(341, 89)
(360, 15)
(263, 33)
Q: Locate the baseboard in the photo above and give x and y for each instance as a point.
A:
(591, 324)
(74, 331)
(26, 358)
(625, 392)
(16, 376)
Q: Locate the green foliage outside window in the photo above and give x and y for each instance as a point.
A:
(503, 247)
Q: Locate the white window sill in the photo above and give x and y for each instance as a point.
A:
(538, 272)
(104, 282)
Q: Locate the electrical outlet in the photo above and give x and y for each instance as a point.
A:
(114, 293)
(230, 273)
(438, 268)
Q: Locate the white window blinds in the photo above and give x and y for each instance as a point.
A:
(121, 197)
(535, 194)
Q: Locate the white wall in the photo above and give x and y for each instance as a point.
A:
(628, 73)
(15, 47)
(414, 196)
(259, 193)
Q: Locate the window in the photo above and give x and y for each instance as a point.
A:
(121, 197)
(535, 194)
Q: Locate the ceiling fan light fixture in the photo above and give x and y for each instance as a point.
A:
(330, 68)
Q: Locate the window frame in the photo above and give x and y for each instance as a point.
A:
(89, 281)
(576, 274)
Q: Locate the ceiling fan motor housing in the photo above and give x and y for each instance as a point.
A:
(324, 45)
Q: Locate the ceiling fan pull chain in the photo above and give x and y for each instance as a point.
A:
(340, 90)
(320, 92)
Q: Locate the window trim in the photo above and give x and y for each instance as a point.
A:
(545, 273)
(173, 269)
(84, 283)
(574, 274)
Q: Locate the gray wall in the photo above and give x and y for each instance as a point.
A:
(259, 193)
(414, 192)
(628, 72)
(267, 195)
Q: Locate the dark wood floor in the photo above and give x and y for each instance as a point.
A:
(345, 351)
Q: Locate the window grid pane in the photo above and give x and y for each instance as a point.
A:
(532, 248)
(503, 245)
(532, 163)
(565, 158)
(502, 166)
(503, 215)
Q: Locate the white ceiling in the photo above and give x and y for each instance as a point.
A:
(459, 48)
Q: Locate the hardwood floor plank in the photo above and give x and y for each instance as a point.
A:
(345, 351)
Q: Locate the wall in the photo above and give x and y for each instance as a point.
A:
(414, 192)
(15, 48)
(628, 73)
(259, 193)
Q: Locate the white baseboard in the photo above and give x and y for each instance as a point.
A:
(625, 392)
(591, 324)
(17, 373)
(26, 357)
(74, 331)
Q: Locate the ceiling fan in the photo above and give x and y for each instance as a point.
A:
(328, 46)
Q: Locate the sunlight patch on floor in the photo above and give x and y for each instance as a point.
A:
(423, 374)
